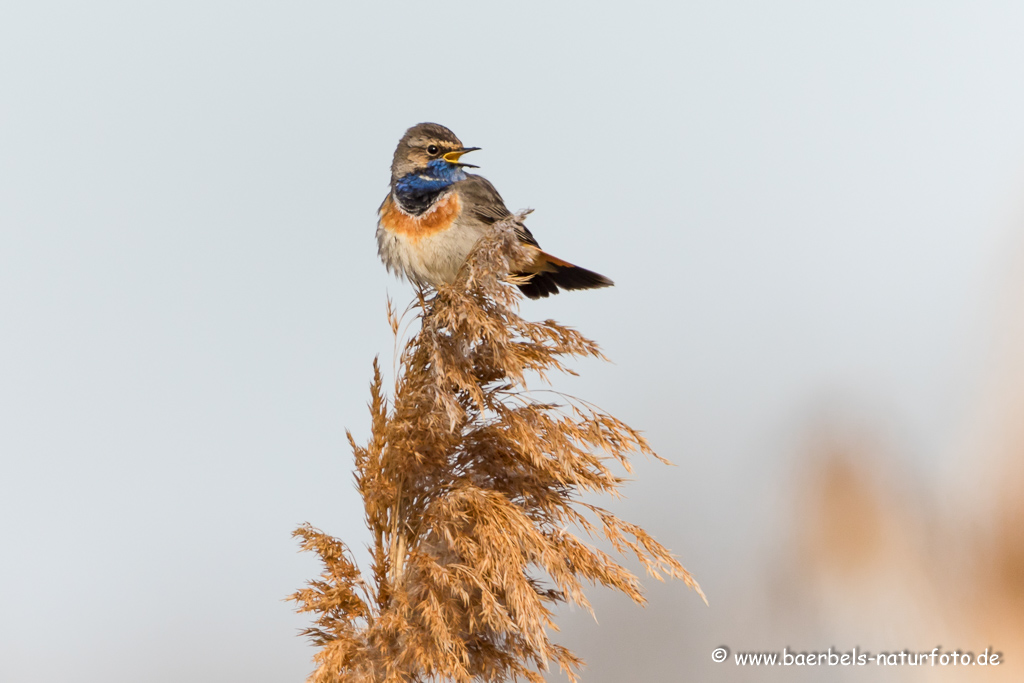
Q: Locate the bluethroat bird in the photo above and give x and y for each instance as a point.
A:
(436, 213)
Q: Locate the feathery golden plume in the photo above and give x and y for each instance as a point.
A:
(471, 486)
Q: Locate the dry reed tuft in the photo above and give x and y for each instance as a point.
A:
(471, 486)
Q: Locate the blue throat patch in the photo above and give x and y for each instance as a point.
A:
(416, 192)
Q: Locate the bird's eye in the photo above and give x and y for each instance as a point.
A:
(432, 150)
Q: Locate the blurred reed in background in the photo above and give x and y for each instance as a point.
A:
(906, 558)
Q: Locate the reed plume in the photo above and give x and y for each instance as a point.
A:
(472, 489)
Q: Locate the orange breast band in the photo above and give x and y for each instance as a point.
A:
(439, 218)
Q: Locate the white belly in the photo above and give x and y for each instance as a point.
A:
(429, 259)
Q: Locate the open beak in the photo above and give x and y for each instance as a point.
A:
(453, 157)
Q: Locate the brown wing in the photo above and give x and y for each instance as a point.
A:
(481, 199)
(547, 274)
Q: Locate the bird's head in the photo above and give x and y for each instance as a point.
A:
(431, 152)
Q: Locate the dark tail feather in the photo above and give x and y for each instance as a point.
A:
(558, 274)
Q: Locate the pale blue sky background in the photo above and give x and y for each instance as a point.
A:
(802, 204)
